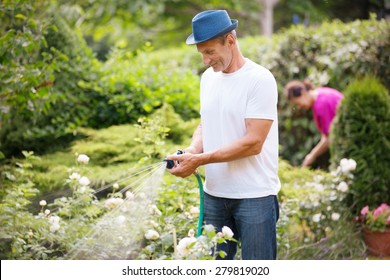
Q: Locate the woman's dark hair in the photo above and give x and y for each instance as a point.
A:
(295, 88)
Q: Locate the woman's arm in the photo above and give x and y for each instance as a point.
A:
(318, 150)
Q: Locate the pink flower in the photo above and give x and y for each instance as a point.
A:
(377, 219)
(378, 211)
(365, 210)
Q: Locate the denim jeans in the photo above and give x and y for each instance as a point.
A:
(252, 220)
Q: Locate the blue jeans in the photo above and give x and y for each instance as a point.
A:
(252, 220)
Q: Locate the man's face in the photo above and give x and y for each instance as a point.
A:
(216, 54)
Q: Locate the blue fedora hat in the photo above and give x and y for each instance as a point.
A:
(210, 24)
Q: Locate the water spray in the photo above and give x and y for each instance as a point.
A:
(170, 165)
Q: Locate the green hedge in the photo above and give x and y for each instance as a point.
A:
(361, 131)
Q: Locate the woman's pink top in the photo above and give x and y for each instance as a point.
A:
(325, 108)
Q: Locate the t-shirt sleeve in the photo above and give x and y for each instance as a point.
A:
(263, 98)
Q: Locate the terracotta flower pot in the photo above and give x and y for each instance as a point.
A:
(378, 243)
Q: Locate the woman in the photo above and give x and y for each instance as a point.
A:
(323, 102)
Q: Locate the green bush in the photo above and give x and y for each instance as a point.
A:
(46, 65)
(362, 131)
(26, 73)
(136, 85)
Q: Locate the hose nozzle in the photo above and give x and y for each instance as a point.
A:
(171, 163)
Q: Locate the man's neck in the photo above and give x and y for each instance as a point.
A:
(237, 62)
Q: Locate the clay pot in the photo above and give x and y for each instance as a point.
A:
(378, 243)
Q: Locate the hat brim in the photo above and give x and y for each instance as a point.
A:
(191, 40)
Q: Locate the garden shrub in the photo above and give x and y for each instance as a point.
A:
(26, 74)
(136, 85)
(49, 101)
(362, 131)
(314, 222)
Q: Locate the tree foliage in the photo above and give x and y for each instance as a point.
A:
(106, 24)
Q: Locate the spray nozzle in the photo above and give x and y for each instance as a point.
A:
(171, 163)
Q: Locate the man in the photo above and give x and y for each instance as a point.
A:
(237, 140)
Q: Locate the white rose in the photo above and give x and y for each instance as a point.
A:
(183, 248)
(113, 202)
(115, 186)
(342, 187)
(84, 159)
(352, 164)
(194, 210)
(84, 181)
(191, 233)
(347, 165)
(54, 220)
(333, 196)
(152, 235)
(43, 203)
(75, 176)
(47, 212)
(335, 216)
(317, 218)
(54, 227)
(209, 228)
(227, 231)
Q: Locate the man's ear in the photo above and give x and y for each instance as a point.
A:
(230, 40)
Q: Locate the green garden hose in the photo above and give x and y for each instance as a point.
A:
(169, 165)
(201, 203)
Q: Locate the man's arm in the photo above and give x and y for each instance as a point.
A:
(196, 146)
(250, 144)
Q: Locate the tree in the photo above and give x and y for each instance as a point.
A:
(266, 16)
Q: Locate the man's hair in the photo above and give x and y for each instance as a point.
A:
(222, 39)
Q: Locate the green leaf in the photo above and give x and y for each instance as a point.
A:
(222, 254)
(20, 16)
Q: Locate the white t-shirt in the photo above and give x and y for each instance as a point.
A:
(226, 101)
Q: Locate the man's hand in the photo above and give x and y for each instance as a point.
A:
(185, 164)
